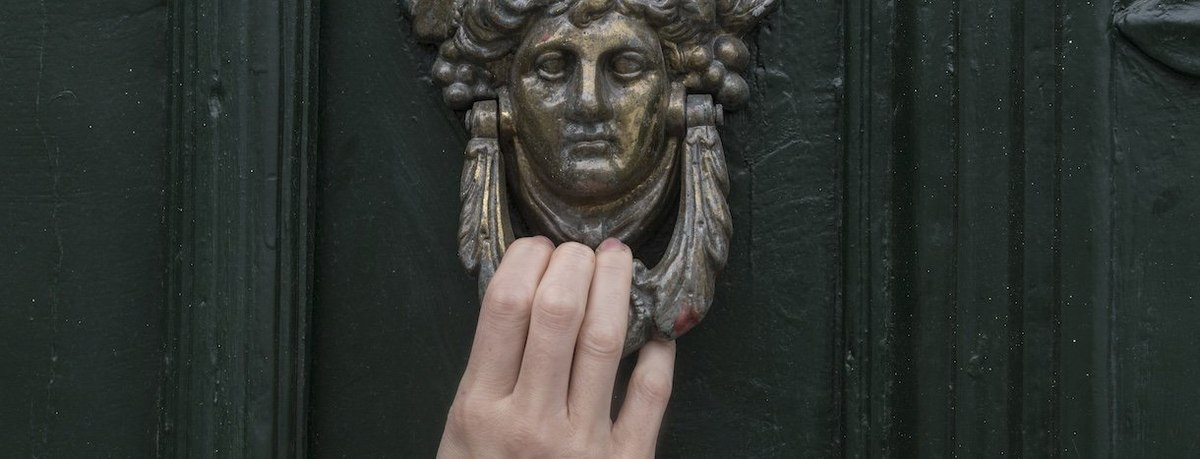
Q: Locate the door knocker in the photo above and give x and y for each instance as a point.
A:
(598, 118)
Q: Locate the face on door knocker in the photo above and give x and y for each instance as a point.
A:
(598, 117)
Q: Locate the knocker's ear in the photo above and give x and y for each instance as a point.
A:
(505, 116)
(677, 110)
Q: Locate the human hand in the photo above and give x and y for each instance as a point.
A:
(540, 378)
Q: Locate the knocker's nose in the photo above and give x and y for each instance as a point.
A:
(590, 99)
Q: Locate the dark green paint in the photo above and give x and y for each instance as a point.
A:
(82, 131)
(239, 219)
(1156, 305)
(390, 160)
(1166, 30)
(154, 205)
(962, 229)
(394, 309)
(970, 197)
(1082, 143)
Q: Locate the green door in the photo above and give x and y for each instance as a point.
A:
(961, 229)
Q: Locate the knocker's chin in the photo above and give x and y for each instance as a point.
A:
(593, 155)
(593, 198)
(590, 172)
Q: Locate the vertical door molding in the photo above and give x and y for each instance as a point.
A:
(978, 229)
(871, 206)
(239, 221)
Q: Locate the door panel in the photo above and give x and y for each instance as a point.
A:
(82, 130)
(395, 311)
(395, 308)
(961, 229)
(1156, 260)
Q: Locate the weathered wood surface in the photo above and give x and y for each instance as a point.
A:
(961, 229)
(243, 82)
(82, 132)
(955, 265)
(155, 213)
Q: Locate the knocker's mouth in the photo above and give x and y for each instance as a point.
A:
(591, 149)
(575, 132)
(595, 141)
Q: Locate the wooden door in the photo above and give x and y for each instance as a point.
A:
(947, 240)
(961, 229)
(395, 311)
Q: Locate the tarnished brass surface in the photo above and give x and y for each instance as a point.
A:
(599, 117)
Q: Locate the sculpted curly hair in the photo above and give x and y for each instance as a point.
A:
(700, 39)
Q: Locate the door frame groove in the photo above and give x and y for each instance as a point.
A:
(239, 213)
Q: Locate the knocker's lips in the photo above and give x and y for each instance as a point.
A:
(589, 142)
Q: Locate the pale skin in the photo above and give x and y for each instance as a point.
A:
(539, 381)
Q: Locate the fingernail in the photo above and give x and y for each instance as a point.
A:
(611, 243)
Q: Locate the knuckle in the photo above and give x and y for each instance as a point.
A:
(559, 308)
(529, 435)
(602, 341)
(637, 450)
(579, 448)
(576, 252)
(507, 302)
(468, 414)
(653, 388)
(522, 433)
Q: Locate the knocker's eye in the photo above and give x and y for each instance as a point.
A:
(628, 65)
(551, 66)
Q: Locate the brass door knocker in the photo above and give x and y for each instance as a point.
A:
(599, 118)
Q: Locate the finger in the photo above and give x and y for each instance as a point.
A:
(558, 309)
(602, 335)
(504, 318)
(636, 429)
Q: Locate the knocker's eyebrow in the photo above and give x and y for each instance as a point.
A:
(537, 55)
